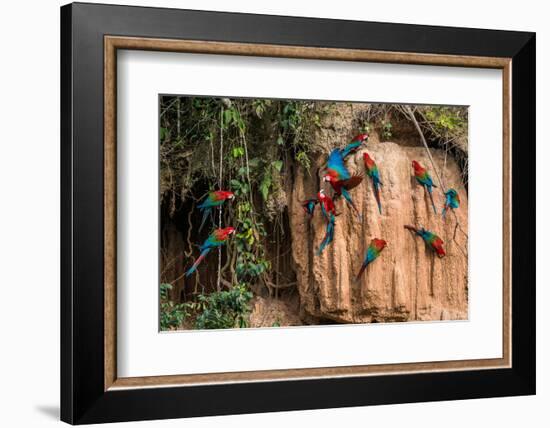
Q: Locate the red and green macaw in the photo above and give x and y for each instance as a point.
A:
(216, 239)
(214, 199)
(432, 240)
(452, 201)
(329, 212)
(423, 178)
(374, 174)
(373, 251)
(340, 179)
(327, 204)
(354, 145)
(329, 234)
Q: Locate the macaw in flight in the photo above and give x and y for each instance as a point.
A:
(340, 179)
(354, 145)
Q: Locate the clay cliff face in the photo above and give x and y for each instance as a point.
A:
(407, 282)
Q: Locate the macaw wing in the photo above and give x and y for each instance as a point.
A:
(352, 182)
(336, 166)
(329, 235)
(216, 238)
(428, 179)
(350, 148)
(370, 256)
(207, 203)
(309, 206)
(425, 180)
(324, 210)
(375, 174)
(209, 243)
(330, 205)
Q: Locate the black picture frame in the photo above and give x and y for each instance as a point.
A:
(83, 399)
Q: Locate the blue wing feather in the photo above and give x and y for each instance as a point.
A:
(350, 148)
(329, 235)
(336, 164)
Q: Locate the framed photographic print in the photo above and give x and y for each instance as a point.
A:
(265, 213)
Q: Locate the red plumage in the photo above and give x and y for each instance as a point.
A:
(437, 245)
(222, 195)
(379, 244)
(326, 202)
(418, 169)
(222, 234)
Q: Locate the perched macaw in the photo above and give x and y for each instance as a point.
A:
(340, 179)
(214, 199)
(373, 251)
(329, 234)
(374, 174)
(432, 240)
(216, 239)
(354, 145)
(309, 206)
(423, 178)
(327, 205)
(452, 200)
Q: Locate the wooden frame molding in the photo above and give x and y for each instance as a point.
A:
(113, 43)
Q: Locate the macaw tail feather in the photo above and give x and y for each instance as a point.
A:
(197, 262)
(411, 228)
(431, 198)
(205, 213)
(376, 188)
(444, 211)
(363, 267)
(347, 197)
(329, 235)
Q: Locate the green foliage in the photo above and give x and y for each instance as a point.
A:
(267, 181)
(297, 122)
(365, 127)
(251, 260)
(172, 314)
(387, 130)
(304, 160)
(446, 119)
(191, 129)
(447, 127)
(223, 309)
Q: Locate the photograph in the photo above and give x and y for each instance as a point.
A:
(288, 212)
